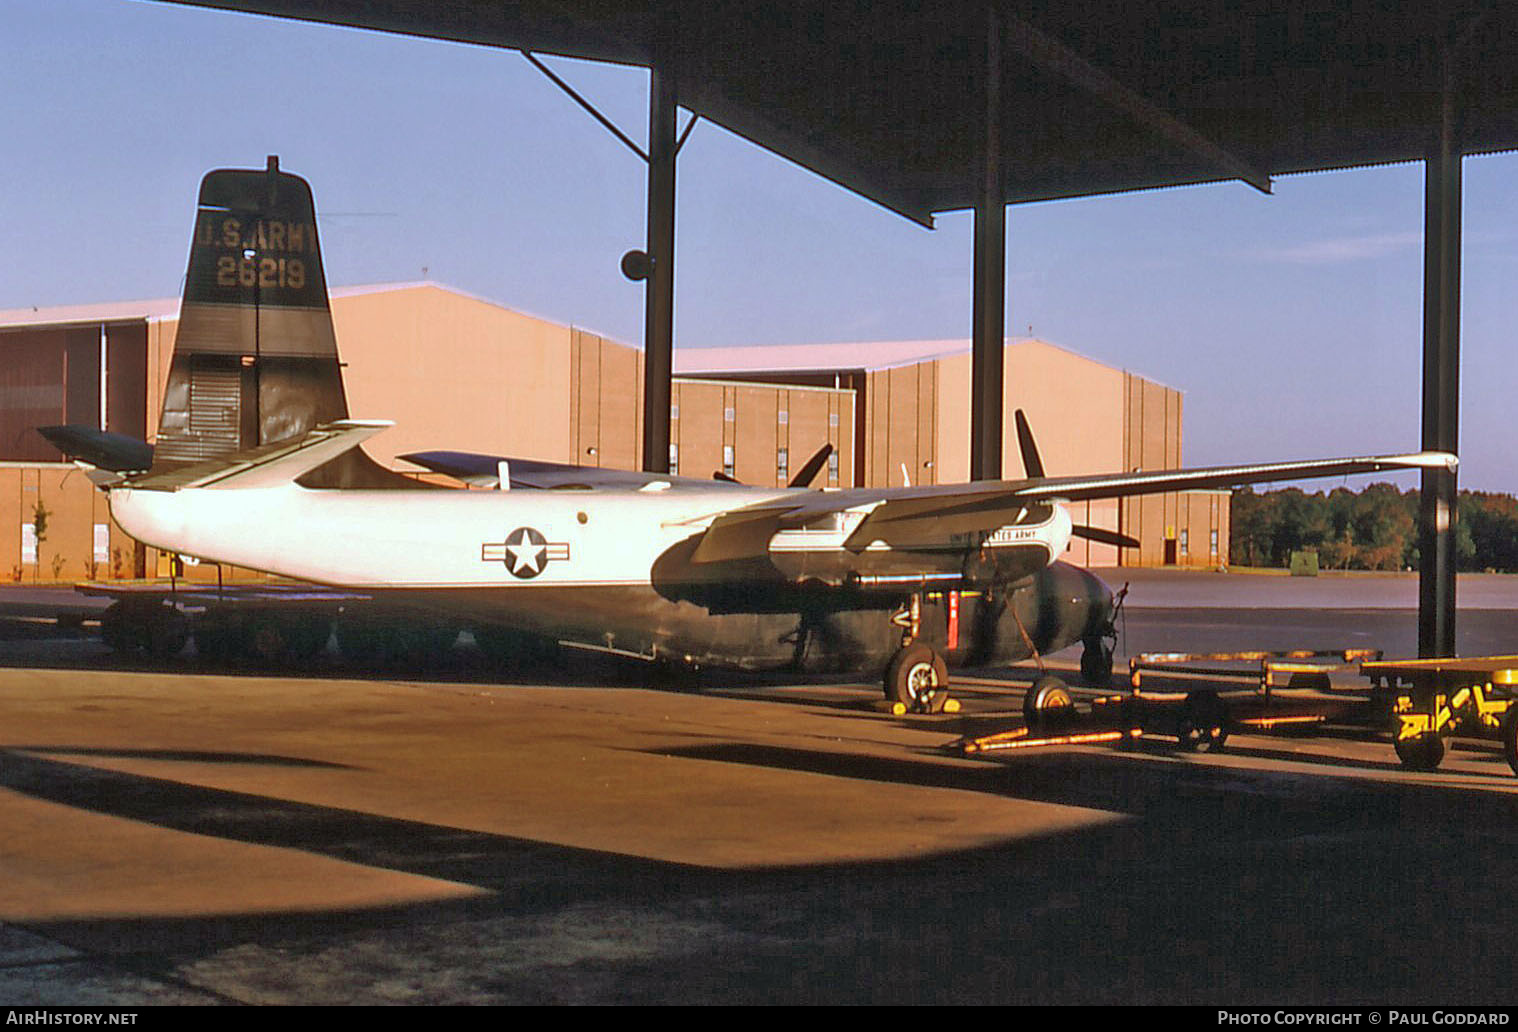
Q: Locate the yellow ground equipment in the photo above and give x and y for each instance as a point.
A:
(1435, 698)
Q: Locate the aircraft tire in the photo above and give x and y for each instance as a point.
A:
(1422, 752)
(1096, 663)
(918, 678)
(1203, 724)
(219, 637)
(268, 640)
(287, 636)
(115, 628)
(168, 632)
(1047, 698)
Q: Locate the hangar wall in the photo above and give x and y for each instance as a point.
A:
(458, 372)
(914, 425)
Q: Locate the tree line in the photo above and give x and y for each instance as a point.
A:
(1372, 529)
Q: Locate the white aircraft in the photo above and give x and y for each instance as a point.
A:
(898, 582)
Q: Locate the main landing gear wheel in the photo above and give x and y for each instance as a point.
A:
(157, 629)
(1425, 751)
(1047, 698)
(1204, 723)
(918, 679)
(1096, 663)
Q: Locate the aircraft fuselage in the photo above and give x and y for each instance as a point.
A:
(613, 569)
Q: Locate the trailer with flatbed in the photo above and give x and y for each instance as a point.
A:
(1206, 697)
(1197, 699)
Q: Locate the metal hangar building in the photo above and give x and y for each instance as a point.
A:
(455, 371)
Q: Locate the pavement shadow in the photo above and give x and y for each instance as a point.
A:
(1222, 885)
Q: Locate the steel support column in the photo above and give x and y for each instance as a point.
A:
(1441, 383)
(989, 315)
(659, 301)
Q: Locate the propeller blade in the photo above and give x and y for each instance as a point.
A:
(719, 475)
(1032, 464)
(806, 474)
(1104, 536)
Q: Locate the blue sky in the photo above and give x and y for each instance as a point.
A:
(1292, 322)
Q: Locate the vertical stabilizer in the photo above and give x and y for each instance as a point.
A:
(255, 357)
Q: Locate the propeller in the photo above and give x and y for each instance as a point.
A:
(807, 473)
(1031, 461)
(1034, 465)
(1103, 536)
(804, 476)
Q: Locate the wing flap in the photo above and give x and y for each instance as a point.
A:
(744, 534)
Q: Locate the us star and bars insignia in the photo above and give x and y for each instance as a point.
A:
(526, 552)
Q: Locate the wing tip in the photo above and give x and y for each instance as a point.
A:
(1447, 461)
(359, 424)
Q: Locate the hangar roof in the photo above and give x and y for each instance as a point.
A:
(884, 97)
(818, 357)
(154, 308)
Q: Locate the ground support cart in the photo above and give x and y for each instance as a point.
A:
(1432, 699)
(1196, 698)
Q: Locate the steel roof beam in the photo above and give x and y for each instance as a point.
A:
(1053, 56)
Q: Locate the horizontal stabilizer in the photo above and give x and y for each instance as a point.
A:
(100, 448)
(484, 471)
(270, 465)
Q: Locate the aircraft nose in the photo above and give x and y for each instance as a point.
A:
(1099, 603)
(1103, 607)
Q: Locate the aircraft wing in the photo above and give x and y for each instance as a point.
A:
(921, 517)
(484, 471)
(1121, 485)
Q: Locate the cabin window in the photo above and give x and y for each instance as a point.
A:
(783, 464)
(727, 459)
(833, 467)
(674, 459)
(1185, 542)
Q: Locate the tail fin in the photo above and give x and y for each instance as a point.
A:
(255, 358)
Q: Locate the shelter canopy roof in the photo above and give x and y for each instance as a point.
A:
(886, 97)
